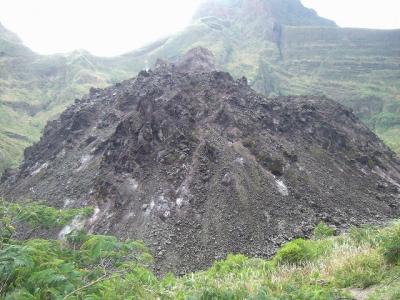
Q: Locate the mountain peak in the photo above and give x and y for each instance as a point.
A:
(284, 12)
(8, 35)
(11, 44)
(196, 60)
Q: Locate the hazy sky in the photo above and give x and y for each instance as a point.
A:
(383, 14)
(110, 27)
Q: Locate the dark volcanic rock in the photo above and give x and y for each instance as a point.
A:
(197, 165)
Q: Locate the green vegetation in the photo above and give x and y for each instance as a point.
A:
(391, 246)
(34, 89)
(35, 215)
(86, 266)
(322, 231)
(82, 266)
(302, 251)
(363, 271)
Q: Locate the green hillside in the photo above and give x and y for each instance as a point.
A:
(280, 46)
(359, 68)
(36, 88)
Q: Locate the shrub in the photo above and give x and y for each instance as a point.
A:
(322, 231)
(391, 246)
(139, 283)
(212, 293)
(301, 251)
(49, 269)
(361, 271)
(34, 216)
(365, 235)
(306, 292)
(77, 237)
(390, 290)
(232, 264)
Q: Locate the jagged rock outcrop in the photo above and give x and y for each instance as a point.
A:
(197, 165)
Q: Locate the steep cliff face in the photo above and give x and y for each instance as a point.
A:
(284, 12)
(197, 164)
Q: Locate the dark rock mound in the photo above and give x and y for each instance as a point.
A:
(197, 165)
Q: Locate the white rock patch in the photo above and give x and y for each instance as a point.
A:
(152, 204)
(77, 223)
(179, 202)
(385, 176)
(42, 167)
(95, 215)
(240, 160)
(132, 184)
(282, 188)
(129, 216)
(67, 202)
(84, 162)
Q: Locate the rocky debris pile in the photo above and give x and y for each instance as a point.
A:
(197, 165)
